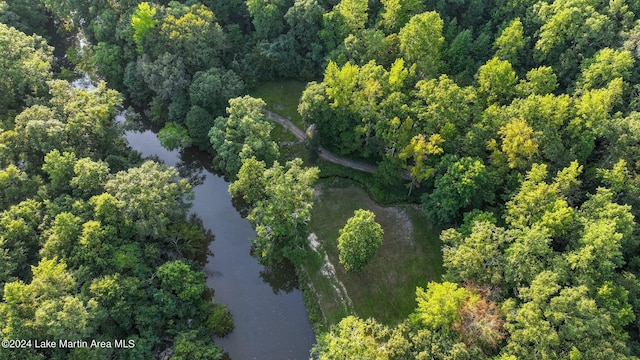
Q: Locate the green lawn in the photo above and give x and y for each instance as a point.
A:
(409, 256)
(282, 97)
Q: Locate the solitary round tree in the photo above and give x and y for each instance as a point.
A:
(359, 240)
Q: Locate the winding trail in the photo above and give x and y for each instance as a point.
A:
(322, 152)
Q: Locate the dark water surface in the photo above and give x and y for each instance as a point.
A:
(270, 318)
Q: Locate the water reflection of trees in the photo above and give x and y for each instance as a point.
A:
(280, 276)
(192, 165)
(241, 206)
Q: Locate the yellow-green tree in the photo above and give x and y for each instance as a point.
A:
(359, 240)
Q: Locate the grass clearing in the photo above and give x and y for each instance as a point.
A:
(282, 97)
(410, 253)
(409, 257)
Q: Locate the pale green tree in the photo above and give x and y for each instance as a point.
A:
(245, 133)
(353, 338)
(421, 42)
(510, 41)
(142, 22)
(282, 208)
(151, 197)
(26, 63)
(359, 240)
(519, 143)
(497, 81)
(347, 17)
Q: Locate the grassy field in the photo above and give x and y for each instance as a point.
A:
(282, 97)
(409, 257)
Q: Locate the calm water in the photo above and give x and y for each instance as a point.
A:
(268, 311)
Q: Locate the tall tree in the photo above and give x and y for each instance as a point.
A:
(142, 22)
(244, 134)
(465, 183)
(281, 210)
(421, 42)
(347, 17)
(152, 197)
(510, 41)
(267, 17)
(26, 66)
(352, 338)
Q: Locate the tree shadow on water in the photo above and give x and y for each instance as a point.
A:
(281, 276)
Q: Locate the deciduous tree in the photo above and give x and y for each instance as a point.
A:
(359, 240)
(421, 42)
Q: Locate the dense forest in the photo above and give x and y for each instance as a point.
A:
(94, 243)
(513, 125)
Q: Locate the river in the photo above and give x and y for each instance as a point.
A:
(269, 315)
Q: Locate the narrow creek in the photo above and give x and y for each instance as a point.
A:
(269, 314)
(270, 318)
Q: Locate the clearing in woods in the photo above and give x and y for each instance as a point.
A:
(409, 256)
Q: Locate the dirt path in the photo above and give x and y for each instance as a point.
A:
(322, 152)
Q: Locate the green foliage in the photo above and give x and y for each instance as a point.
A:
(15, 186)
(46, 307)
(421, 42)
(550, 324)
(396, 13)
(540, 81)
(465, 184)
(267, 17)
(60, 168)
(442, 107)
(196, 346)
(438, 306)
(477, 257)
(242, 135)
(74, 269)
(166, 76)
(347, 17)
(605, 66)
(87, 117)
(65, 231)
(496, 81)
(143, 22)
(199, 122)
(173, 136)
(108, 59)
(23, 15)
(192, 34)
(19, 240)
(519, 143)
(154, 196)
(353, 338)
(90, 176)
(359, 240)
(220, 320)
(212, 89)
(177, 278)
(281, 209)
(251, 182)
(510, 41)
(26, 66)
(490, 147)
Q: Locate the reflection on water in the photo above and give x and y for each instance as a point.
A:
(280, 276)
(269, 315)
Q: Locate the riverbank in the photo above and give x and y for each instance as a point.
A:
(270, 319)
